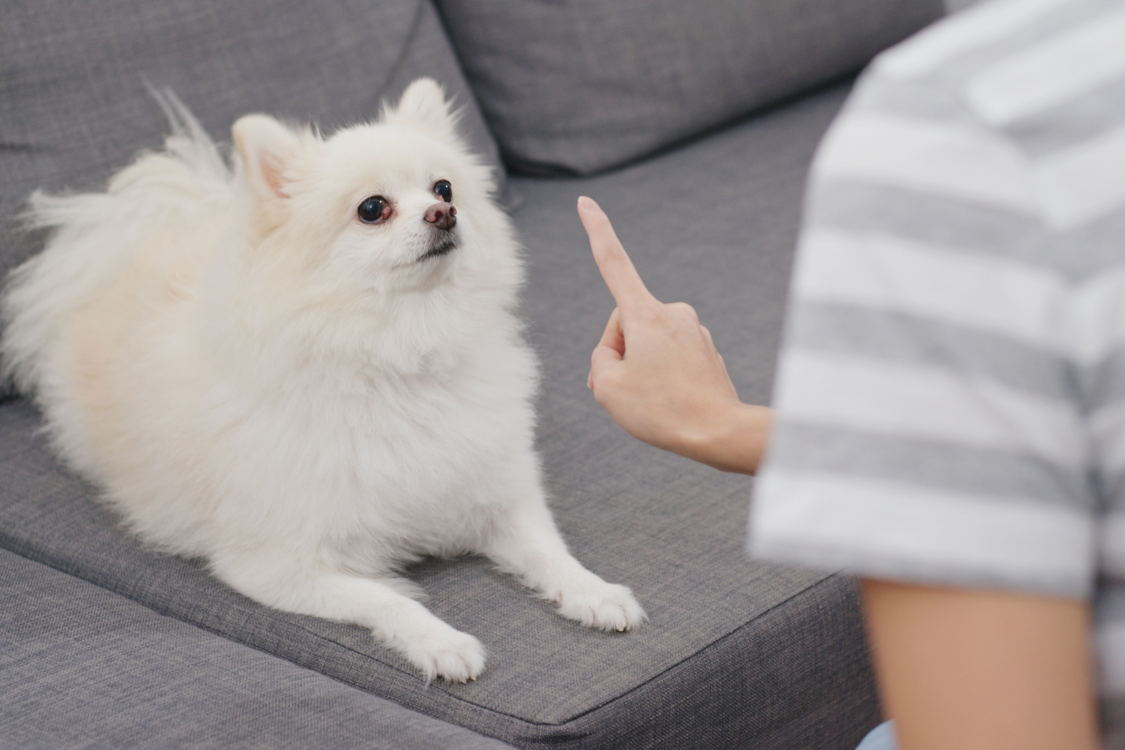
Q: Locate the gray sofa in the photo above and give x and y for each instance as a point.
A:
(693, 125)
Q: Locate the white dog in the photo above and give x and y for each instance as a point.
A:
(307, 370)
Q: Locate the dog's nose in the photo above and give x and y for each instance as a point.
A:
(442, 215)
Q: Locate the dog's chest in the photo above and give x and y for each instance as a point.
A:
(407, 447)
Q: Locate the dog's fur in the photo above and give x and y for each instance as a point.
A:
(255, 376)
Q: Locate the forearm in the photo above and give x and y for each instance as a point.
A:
(981, 669)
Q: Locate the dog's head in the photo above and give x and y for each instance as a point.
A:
(397, 203)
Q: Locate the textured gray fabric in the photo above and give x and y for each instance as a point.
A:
(74, 107)
(82, 667)
(736, 653)
(579, 86)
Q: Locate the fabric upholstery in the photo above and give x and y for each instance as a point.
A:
(579, 86)
(736, 652)
(74, 106)
(83, 667)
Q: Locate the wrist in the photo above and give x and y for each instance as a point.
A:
(734, 439)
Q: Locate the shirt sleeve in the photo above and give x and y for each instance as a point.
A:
(928, 427)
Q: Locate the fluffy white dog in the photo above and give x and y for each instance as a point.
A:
(306, 370)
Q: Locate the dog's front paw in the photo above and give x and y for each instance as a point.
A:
(607, 606)
(447, 653)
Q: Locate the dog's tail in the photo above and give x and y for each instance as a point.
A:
(190, 161)
(189, 141)
(95, 235)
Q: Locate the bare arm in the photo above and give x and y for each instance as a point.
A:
(657, 373)
(982, 670)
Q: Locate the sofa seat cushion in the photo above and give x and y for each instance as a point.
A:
(81, 666)
(579, 86)
(74, 107)
(737, 653)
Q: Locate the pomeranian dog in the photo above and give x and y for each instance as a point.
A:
(305, 368)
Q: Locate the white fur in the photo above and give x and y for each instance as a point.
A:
(255, 376)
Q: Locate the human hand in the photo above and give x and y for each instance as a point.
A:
(656, 370)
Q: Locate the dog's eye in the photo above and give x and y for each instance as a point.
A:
(374, 210)
(444, 190)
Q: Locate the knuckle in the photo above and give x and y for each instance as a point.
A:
(601, 392)
(605, 383)
(682, 308)
(683, 311)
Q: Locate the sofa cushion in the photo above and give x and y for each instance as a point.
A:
(83, 667)
(74, 106)
(737, 653)
(578, 86)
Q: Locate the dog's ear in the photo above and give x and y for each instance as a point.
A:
(268, 149)
(423, 107)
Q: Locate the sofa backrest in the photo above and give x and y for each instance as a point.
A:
(74, 106)
(581, 86)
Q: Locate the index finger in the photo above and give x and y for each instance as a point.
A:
(620, 274)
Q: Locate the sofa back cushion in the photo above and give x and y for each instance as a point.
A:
(580, 86)
(74, 107)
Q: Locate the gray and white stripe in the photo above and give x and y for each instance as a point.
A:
(951, 391)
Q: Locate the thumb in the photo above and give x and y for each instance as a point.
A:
(603, 359)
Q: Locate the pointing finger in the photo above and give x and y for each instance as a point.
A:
(620, 275)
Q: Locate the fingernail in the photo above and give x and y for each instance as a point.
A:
(584, 202)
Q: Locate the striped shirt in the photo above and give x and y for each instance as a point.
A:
(951, 389)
